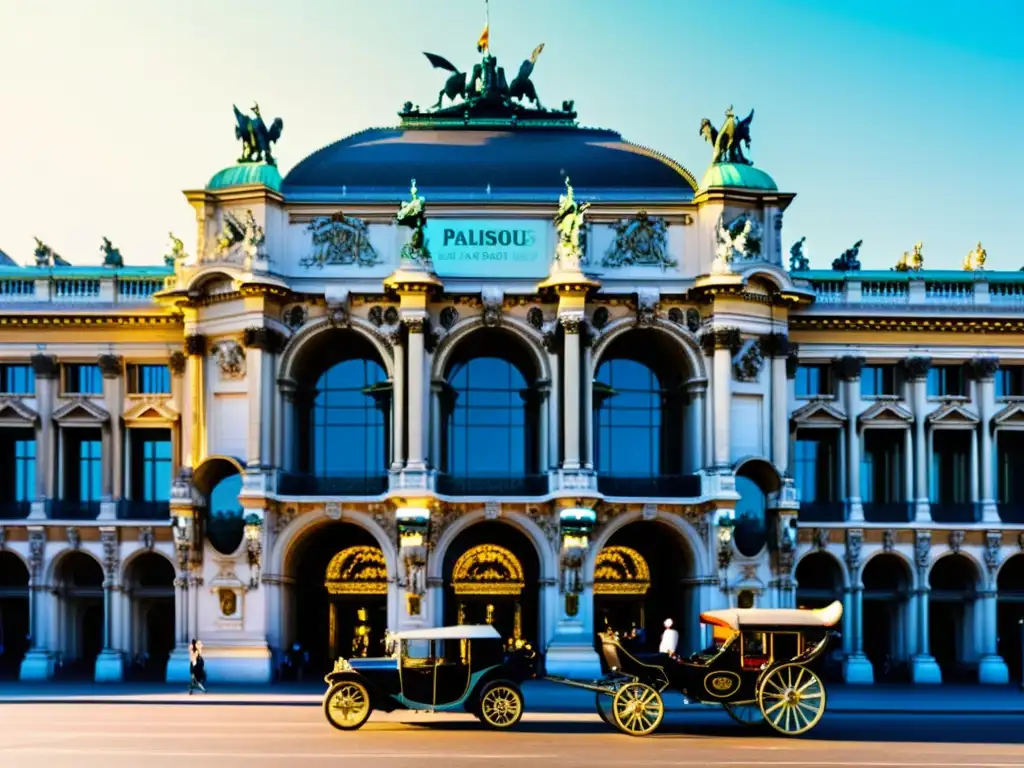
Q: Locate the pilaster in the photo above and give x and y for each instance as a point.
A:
(724, 341)
(193, 416)
(112, 367)
(983, 370)
(917, 374)
(46, 371)
(848, 369)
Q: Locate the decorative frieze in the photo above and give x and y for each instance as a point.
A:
(640, 241)
(340, 240)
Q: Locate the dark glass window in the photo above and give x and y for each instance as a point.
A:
(631, 408)
(490, 427)
(879, 380)
(815, 463)
(1010, 381)
(951, 470)
(151, 464)
(349, 421)
(1011, 459)
(149, 380)
(82, 379)
(883, 474)
(83, 468)
(17, 464)
(17, 379)
(226, 521)
(946, 381)
(813, 380)
(751, 524)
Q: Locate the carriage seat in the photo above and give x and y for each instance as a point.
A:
(744, 618)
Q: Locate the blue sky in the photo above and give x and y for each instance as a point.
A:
(892, 121)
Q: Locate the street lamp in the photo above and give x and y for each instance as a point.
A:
(254, 547)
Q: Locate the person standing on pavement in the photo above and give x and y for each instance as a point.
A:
(197, 668)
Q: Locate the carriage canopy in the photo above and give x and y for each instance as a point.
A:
(738, 619)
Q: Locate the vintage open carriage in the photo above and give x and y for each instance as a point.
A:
(758, 669)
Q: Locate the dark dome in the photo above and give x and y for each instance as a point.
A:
(460, 163)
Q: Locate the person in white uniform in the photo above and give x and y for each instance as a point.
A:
(669, 639)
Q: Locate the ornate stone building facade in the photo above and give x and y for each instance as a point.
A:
(552, 404)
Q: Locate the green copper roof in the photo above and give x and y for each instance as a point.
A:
(247, 173)
(737, 175)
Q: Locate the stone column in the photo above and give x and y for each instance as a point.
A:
(571, 404)
(112, 367)
(176, 363)
(777, 346)
(923, 667)
(917, 374)
(38, 662)
(436, 414)
(193, 416)
(848, 368)
(417, 395)
(856, 668)
(992, 667)
(260, 344)
(588, 404)
(984, 370)
(544, 426)
(973, 489)
(554, 413)
(398, 407)
(288, 424)
(694, 451)
(110, 663)
(46, 370)
(725, 341)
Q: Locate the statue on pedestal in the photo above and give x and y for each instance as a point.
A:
(256, 138)
(728, 141)
(413, 214)
(571, 230)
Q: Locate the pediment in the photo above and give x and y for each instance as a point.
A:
(819, 413)
(81, 409)
(150, 411)
(886, 412)
(1011, 416)
(13, 412)
(952, 413)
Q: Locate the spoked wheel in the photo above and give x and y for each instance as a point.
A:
(501, 705)
(792, 699)
(638, 709)
(745, 714)
(347, 705)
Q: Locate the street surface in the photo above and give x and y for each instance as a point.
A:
(200, 732)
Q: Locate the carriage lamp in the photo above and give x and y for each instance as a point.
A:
(725, 531)
(254, 547)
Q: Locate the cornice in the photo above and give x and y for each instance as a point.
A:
(48, 320)
(904, 324)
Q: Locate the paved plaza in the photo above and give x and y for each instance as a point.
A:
(197, 733)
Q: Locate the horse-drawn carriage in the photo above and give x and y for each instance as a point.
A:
(758, 669)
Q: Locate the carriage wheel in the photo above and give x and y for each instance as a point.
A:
(745, 714)
(501, 705)
(347, 705)
(637, 709)
(792, 699)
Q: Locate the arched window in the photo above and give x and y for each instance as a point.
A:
(751, 531)
(640, 410)
(490, 410)
(226, 518)
(343, 401)
(349, 418)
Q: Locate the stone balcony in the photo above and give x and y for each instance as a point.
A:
(81, 285)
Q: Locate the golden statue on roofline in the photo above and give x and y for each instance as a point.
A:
(975, 260)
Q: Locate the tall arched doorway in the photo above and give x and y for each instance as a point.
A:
(1010, 614)
(885, 622)
(642, 577)
(953, 581)
(339, 600)
(819, 582)
(491, 574)
(149, 590)
(490, 405)
(14, 620)
(79, 593)
(640, 412)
